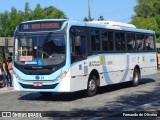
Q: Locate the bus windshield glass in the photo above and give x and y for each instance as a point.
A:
(40, 50)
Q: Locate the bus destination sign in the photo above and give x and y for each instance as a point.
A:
(40, 26)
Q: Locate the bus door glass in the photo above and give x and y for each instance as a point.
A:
(78, 44)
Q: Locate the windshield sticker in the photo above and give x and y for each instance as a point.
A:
(40, 62)
(25, 58)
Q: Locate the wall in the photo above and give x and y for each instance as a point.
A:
(10, 43)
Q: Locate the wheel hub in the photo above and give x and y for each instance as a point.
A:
(92, 85)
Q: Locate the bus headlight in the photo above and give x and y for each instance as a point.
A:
(62, 75)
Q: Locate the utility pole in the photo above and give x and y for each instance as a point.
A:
(89, 14)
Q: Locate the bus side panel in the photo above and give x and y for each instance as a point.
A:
(149, 65)
(146, 61)
(79, 75)
(120, 68)
(112, 68)
(65, 85)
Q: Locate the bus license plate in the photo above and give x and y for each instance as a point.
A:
(37, 84)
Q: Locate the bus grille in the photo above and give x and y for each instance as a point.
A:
(39, 87)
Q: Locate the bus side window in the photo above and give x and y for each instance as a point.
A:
(131, 43)
(107, 40)
(80, 46)
(149, 42)
(120, 41)
(95, 40)
(140, 42)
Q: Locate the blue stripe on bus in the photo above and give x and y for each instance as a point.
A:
(106, 76)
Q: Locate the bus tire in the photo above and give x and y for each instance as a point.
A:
(136, 77)
(92, 86)
(46, 94)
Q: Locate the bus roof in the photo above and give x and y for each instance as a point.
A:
(122, 26)
(100, 24)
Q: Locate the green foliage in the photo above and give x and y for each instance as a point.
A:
(38, 12)
(52, 12)
(148, 16)
(7, 55)
(101, 18)
(1, 56)
(9, 20)
(158, 51)
(86, 19)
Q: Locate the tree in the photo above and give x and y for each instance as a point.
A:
(148, 16)
(5, 24)
(101, 18)
(9, 20)
(52, 12)
(27, 12)
(86, 19)
(20, 17)
(13, 19)
(38, 13)
(1, 56)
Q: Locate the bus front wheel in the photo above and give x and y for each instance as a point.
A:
(92, 86)
(136, 77)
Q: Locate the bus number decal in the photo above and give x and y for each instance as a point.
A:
(42, 77)
(39, 77)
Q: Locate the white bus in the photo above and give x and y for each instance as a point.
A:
(59, 55)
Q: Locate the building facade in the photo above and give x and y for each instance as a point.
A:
(6, 41)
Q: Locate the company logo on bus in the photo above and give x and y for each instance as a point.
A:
(37, 77)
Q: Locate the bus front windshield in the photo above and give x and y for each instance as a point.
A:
(42, 49)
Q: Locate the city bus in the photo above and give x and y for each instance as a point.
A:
(63, 55)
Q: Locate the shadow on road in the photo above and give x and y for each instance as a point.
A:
(54, 96)
(133, 102)
(119, 86)
(78, 95)
(110, 108)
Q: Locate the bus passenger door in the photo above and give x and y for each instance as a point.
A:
(78, 49)
(78, 44)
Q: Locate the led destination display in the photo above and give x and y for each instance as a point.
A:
(40, 26)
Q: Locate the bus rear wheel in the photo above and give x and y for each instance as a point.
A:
(136, 77)
(92, 86)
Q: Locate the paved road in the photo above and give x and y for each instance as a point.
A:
(115, 98)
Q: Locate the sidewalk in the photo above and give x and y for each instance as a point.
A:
(6, 89)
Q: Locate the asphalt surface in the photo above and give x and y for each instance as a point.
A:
(114, 101)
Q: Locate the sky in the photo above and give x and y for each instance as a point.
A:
(114, 10)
